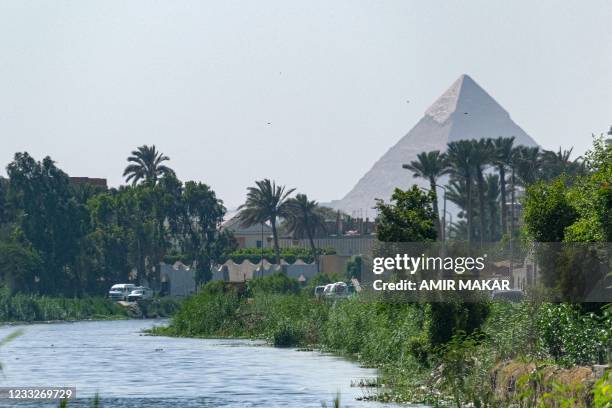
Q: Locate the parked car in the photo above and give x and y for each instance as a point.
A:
(336, 290)
(140, 293)
(121, 291)
(318, 292)
(340, 289)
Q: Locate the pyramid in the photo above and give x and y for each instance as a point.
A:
(464, 111)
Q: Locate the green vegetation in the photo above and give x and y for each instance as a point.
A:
(575, 209)
(62, 243)
(399, 339)
(63, 238)
(409, 218)
(303, 219)
(430, 166)
(40, 308)
(456, 353)
(266, 202)
(482, 197)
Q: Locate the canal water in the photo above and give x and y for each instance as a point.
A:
(130, 369)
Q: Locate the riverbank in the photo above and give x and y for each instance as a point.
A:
(15, 308)
(397, 339)
(129, 370)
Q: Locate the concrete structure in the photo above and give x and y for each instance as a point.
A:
(234, 272)
(92, 181)
(177, 279)
(254, 236)
(333, 264)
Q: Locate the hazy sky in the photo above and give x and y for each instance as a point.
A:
(87, 81)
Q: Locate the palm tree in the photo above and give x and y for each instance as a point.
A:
(554, 164)
(482, 154)
(265, 202)
(430, 166)
(456, 192)
(503, 158)
(147, 165)
(459, 155)
(528, 164)
(524, 166)
(303, 219)
(493, 192)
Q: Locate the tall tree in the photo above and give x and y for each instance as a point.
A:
(554, 164)
(50, 219)
(19, 267)
(492, 196)
(481, 157)
(202, 222)
(265, 202)
(528, 164)
(503, 159)
(146, 165)
(430, 166)
(524, 167)
(3, 209)
(459, 155)
(408, 218)
(303, 219)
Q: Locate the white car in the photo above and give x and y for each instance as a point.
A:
(340, 289)
(140, 293)
(336, 290)
(328, 289)
(318, 292)
(121, 291)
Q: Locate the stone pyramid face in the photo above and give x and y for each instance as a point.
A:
(464, 111)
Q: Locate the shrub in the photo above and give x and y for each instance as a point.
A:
(286, 334)
(573, 338)
(276, 283)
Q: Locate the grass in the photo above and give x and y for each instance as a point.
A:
(394, 337)
(34, 308)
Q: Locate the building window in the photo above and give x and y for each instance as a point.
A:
(258, 244)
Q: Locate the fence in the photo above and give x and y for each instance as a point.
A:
(345, 246)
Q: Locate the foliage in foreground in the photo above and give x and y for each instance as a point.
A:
(34, 308)
(397, 338)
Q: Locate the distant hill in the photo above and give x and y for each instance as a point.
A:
(464, 111)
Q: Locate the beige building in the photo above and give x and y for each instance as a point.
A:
(254, 236)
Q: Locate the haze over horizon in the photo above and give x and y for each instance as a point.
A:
(308, 94)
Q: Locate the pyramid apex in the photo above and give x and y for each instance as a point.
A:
(464, 94)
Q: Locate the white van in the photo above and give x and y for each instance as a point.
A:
(140, 293)
(121, 291)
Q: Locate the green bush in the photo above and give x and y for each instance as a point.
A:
(398, 337)
(571, 337)
(448, 318)
(602, 391)
(30, 308)
(275, 283)
(286, 334)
